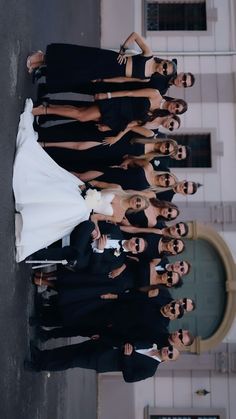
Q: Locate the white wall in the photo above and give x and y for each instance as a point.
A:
(173, 389)
(212, 105)
(178, 390)
(120, 18)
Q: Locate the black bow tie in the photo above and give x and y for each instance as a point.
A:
(119, 247)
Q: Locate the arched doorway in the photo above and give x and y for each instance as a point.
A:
(212, 284)
(205, 284)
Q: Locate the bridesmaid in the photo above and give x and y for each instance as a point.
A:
(119, 110)
(67, 66)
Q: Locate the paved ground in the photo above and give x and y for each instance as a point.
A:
(27, 25)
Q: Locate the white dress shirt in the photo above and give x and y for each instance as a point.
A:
(146, 352)
(110, 244)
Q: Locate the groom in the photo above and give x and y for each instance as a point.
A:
(102, 255)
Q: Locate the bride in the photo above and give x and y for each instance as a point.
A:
(48, 199)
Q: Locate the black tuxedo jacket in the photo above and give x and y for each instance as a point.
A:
(108, 260)
(80, 254)
(99, 356)
(138, 367)
(134, 320)
(164, 261)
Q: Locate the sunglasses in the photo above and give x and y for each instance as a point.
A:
(169, 214)
(178, 229)
(181, 264)
(167, 148)
(164, 69)
(171, 126)
(172, 308)
(180, 333)
(170, 278)
(185, 188)
(167, 180)
(176, 246)
(177, 106)
(184, 80)
(170, 352)
(137, 244)
(184, 303)
(138, 202)
(180, 152)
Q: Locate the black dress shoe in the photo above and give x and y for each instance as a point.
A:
(34, 321)
(42, 334)
(30, 366)
(40, 301)
(35, 355)
(42, 90)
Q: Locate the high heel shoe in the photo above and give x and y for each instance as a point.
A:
(29, 58)
(36, 74)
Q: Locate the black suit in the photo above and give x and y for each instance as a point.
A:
(162, 340)
(81, 251)
(80, 240)
(107, 261)
(164, 261)
(136, 319)
(96, 355)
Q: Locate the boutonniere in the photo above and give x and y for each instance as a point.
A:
(117, 252)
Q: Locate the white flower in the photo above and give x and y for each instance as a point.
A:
(92, 198)
(117, 252)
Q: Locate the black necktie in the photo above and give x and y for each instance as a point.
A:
(120, 244)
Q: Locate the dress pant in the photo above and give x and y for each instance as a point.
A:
(91, 354)
(80, 240)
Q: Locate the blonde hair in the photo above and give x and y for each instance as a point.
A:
(158, 189)
(122, 193)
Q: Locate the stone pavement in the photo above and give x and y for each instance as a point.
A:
(27, 25)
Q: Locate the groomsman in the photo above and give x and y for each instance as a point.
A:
(135, 362)
(182, 267)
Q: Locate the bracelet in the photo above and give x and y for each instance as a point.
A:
(122, 49)
(109, 95)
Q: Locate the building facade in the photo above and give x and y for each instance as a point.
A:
(201, 35)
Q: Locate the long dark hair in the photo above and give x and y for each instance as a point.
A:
(166, 239)
(164, 204)
(155, 140)
(180, 101)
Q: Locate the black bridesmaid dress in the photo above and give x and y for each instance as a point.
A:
(132, 178)
(95, 158)
(68, 66)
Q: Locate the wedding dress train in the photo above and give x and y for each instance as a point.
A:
(48, 198)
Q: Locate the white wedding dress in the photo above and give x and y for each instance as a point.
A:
(48, 198)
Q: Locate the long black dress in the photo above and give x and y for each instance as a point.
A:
(118, 112)
(69, 65)
(132, 178)
(95, 158)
